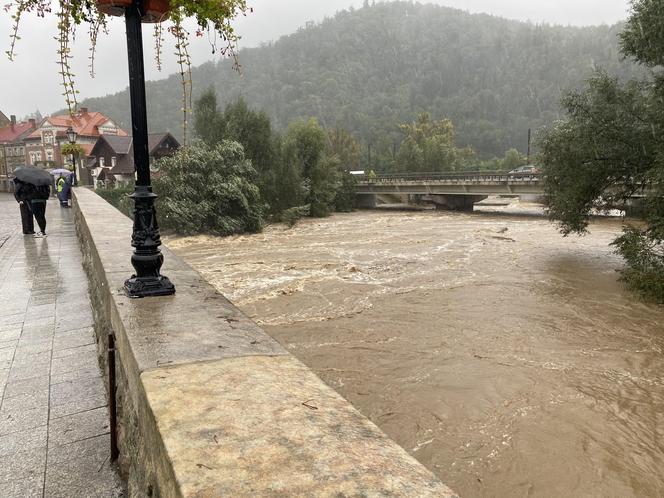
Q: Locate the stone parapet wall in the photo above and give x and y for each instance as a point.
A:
(211, 406)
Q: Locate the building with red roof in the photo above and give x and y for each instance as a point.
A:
(12, 147)
(42, 146)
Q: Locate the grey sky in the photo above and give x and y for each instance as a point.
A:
(31, 82)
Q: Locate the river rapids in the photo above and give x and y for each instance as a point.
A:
(506, 358)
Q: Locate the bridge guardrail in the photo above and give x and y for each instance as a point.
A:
(472, 176)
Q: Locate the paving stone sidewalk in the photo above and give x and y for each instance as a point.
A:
(54, 427)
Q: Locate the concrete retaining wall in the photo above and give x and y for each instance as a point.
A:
(211, 406)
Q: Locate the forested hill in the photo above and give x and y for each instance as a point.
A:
(370, 69)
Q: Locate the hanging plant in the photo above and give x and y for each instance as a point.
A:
(69, 149)
(212, 17)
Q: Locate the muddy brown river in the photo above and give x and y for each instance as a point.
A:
(507, 359)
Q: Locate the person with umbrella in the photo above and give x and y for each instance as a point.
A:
(35, 191)
(23, 192)
(63, 185)
(62, 195)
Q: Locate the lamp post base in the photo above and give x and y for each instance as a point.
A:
(137, 287)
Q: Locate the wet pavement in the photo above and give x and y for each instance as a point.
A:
(54, 428)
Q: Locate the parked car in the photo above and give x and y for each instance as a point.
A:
(525, 170)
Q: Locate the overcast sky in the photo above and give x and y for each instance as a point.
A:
(31, 81)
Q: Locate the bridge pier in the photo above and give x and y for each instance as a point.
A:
(454, 202)
(366, 201)
(535, 198)
(634, 208)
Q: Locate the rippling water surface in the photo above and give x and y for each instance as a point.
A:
(506, 358)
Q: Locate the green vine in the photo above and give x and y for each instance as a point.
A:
(182, 52)
(210, 15)
(65, 25)
(158, 43)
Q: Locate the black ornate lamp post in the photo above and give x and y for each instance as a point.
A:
(147, 258)
(71, 135)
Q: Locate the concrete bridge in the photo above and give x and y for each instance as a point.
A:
(450, 190)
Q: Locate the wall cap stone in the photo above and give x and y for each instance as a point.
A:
(224, 409)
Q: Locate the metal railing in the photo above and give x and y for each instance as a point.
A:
(451, 177)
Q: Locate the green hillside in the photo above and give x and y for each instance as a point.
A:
(370, 69)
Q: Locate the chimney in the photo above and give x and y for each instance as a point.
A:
(13, 120)
(84, 110)
(32, 122)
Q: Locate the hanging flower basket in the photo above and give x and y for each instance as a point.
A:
(154, 10)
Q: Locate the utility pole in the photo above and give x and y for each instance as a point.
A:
(529, 136)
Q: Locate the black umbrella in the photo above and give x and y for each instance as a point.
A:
(34, 176)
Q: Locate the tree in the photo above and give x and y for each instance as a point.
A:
(323, 187)
(209, 189)
(643, 37)
(253, 130)
(278, 184)
(342, 144)
(346, 150)
(282, 186)
(512, 160)
(610, 148)
(209, 124)
(430, 146)
(345, 200)
(304, 146)
(306, 139)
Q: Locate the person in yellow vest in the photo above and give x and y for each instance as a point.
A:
(60, 187)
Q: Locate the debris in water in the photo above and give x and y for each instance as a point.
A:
(311, 407)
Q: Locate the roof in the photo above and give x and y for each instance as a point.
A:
(87, 148)
(155, 139)
(13, 133)
(105, 174)
(122, 145)
(125, 165)
(119, 145)
(84, 123)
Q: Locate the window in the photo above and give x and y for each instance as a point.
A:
(49, 155)
(102, 161)
(48, 138)
(113, 161)
(32, 158)
(38, 155)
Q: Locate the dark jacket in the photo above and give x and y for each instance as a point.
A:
(42, 193)
(23, 191)
(27, 192)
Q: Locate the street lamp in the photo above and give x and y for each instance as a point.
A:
(147, 258)
(72, 136)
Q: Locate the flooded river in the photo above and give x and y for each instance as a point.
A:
(507, 359)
